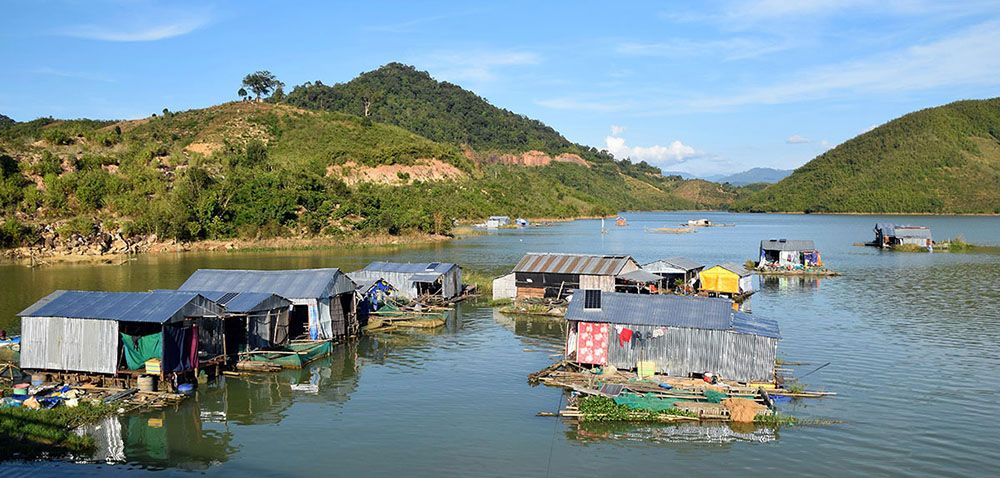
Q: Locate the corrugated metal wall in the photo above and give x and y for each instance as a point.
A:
(604, 283)
(79, 345)
(504, 288)
(452, 283)
(734, 356)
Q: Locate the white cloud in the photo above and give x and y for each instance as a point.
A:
(142, 26)
(797, 139)
(617, 130)
(673, 153)
(966, 58)
(477, 65)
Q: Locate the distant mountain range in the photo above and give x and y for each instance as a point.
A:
(751, 176)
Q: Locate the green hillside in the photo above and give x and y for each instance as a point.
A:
(251, 170)
(938, 160)
(401, 95)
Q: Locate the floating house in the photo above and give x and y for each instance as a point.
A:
(117, 332)
(890, 235)
(323, 301)
(727, 280)
(415, 280)
(673, 269)
(639, 282)
(788, 253)
(681, 335)
(551, 275)
(252, 320)
(373, 294)
(494, 222)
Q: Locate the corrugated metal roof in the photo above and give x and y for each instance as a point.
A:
(682, 263)
(244, 302)
(421, 267)
(291, 284)
(735, 268)
(896, 230)
(787, 245)
(671, 311)
(751, 324)
(155, 307)
(640, 276)
(425, 277)
(585, 264)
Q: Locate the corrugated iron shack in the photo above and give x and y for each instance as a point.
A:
(111, 332)
(639, 282)
(788, 252)
(682, 335)
(676, 268)
(253, 320)
(727, 280)
(323, 300)
(415, 280)
(373, 294)
(552, 275)
(889, 235)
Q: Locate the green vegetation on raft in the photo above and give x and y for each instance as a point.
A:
(594, 408)
(775, 420)
(27, 433)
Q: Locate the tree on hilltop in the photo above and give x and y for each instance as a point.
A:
(262, 83)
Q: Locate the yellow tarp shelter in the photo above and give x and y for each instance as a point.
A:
(722, 280)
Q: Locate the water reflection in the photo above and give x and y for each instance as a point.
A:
(789, 283)
(674, 434)
(163, 439)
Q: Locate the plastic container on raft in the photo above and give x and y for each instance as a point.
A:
(185, 388)
(21, 390)
(146, 383)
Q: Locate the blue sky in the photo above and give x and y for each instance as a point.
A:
(689, 86)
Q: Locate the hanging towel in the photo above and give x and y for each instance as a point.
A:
(624, 336)
(659, 332)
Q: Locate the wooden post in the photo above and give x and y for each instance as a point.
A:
(225, 356)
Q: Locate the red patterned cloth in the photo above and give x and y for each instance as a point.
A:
(592, 343)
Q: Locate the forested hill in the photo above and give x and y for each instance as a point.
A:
(257, 169)
(403, 96)
(938, 160)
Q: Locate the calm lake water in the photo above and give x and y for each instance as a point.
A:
(912, 340)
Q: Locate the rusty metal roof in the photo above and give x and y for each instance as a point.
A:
(585, 264)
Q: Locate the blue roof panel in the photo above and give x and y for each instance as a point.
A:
(243, 302)
(291, 284)
(671, 311)
(153, 307)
